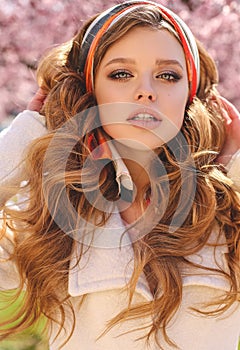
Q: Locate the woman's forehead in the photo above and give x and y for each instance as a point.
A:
(139, 42)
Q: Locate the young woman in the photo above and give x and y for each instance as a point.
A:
(128, 233)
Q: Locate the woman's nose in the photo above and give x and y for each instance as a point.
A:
(145, 91)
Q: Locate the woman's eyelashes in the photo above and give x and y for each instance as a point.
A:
(123, 74)
(120, 74)
(169, 76)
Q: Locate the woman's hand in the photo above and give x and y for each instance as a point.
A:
(37, 101)
(232, 125)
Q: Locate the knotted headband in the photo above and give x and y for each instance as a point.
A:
(105, 20)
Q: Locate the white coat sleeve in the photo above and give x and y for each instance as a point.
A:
(14, 140)
(9, 277)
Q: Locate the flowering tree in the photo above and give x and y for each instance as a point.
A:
(29, 27)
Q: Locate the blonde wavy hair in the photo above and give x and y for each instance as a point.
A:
(44, 251)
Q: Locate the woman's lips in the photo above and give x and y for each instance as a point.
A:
(145, 119)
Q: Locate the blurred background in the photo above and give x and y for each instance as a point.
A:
(29, 27)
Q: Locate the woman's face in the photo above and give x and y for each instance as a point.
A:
(143, 80)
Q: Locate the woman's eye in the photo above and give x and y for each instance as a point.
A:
(120, 75)
(169, 76)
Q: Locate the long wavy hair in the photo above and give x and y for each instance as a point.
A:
(44, 247)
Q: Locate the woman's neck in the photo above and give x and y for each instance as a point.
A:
(138, 164)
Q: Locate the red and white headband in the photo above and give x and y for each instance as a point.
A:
(105, 20)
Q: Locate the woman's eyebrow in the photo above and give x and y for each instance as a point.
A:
(168, 62)
(120, 60)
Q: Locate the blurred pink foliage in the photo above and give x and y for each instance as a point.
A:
(29, 27)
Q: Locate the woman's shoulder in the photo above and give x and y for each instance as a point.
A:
(208, 263)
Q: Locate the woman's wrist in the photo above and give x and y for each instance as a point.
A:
(233, 169)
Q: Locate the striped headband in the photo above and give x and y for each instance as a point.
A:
(105, 20)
